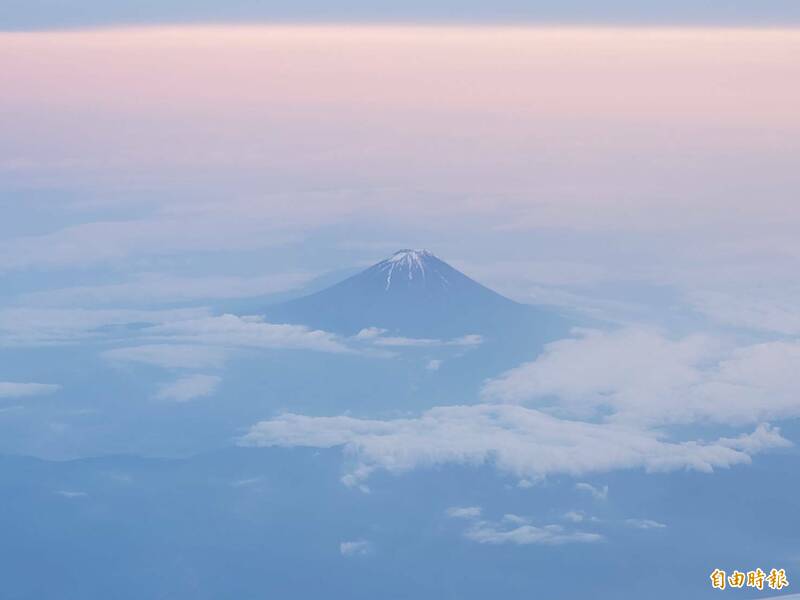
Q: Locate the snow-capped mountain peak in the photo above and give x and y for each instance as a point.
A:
(409, 256)
(412, 292)
(406, 263)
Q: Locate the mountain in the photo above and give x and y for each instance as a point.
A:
(412, 293)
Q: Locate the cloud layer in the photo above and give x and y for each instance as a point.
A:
(519, 441)
(641, 376)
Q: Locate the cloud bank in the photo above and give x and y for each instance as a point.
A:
(640, 376)
(519, 441)
(247, 331)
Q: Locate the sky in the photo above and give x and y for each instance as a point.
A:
(647, 138)
(44, 14)
(168, 170)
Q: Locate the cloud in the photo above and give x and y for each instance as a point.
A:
(433, 364)
(519, 441)
(644, 524)
(463, 512)
(19, 390)
(247, 331)
(575, 516)
(246, 482)
(516, 519)
(637, 375)
(768, 310)
(515, 529)
(375, 335)
(148, 288)
(170, 356)
(486, 532)
(369, 333)
(466, 341)
(189, 388)
(597, 493)
(163, 233)
(175, 331)
(49, 326)
(355, 548)
(71, 495)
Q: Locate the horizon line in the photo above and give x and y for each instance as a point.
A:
(394, 24)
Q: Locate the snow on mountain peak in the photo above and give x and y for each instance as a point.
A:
(406, 261)
(410, 255)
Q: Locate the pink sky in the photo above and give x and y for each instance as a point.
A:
(657, 121)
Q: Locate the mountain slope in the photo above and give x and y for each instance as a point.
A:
(410, 293)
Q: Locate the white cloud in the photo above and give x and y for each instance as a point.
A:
(522, 442)
(189, 388)
(772, 309)
(376, 336)
(71, 495)
(597, 493)
(433, 364)
(486, 532)
(10, 389)
(514, 529)
(466, 341)
(246, 331)
(369, 333)
(47, 326)
(463, 512)
(644, 524)
(175, 332)
(639, 376)
(355, 548)
(170, 356)
(515, 519)
(574, 516)
(156, 287)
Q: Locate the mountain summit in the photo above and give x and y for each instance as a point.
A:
(417, 274)
(404, 265)
(410, 293)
